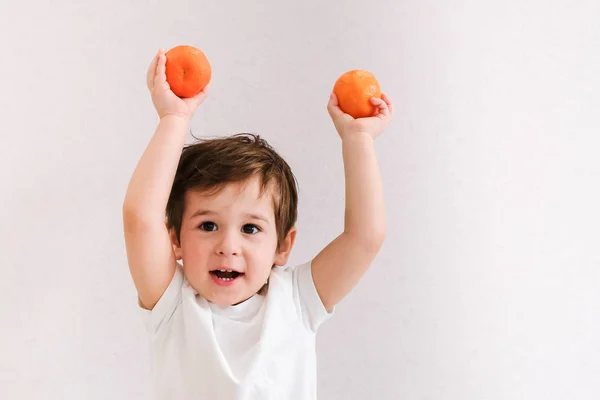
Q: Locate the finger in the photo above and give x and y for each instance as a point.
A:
(382, 107)
(160, 79)
(388, 101)
(152, 71)
(200, 97)
(206, 88)
(203, 93)
(333, 108)
(333, 100)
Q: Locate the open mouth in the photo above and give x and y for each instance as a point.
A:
(226, 275)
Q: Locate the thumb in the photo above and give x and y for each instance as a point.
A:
(199, 98)
(333, 107)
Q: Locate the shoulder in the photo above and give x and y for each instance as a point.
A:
(168, 302)
(294, 285)
(290, 277)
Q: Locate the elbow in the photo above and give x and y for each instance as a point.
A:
(370, 241)
(128, 207)
(376, 241)
(128, 211)
(132, 216)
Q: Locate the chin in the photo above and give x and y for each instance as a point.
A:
(227, 295)
(226, 299)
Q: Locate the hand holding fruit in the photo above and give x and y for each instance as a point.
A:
(357, 105)
(178, 81)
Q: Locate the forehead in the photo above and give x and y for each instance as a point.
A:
(236, 196)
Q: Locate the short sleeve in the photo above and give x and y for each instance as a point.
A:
(312, 309)
(166, 305)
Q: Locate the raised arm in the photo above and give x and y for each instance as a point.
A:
(340, 265)
(149, 251)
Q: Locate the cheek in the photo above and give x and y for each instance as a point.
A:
(268, 249)
(193, 246)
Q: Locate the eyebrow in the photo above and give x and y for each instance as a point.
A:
(202, 212)
(259, 217)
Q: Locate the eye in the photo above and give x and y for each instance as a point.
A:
(250, 229)
(208, 226)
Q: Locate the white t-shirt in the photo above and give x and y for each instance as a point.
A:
(261, 349)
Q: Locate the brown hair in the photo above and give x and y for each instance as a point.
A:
(210, 164)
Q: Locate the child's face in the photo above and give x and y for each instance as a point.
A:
(233, 230)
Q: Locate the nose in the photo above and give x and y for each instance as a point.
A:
(228, 244)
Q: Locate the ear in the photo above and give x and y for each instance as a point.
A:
(285, 248)
(175, 244)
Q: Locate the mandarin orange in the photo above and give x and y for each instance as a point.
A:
(354, 90)
(188, 70)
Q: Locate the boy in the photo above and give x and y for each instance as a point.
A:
(230, 322)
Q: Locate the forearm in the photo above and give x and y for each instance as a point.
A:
(152, 179)
(365, 208)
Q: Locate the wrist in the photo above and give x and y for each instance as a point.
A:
(174, 123)
(175, 117)
(357, 137)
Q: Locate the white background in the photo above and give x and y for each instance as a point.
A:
(488, 285)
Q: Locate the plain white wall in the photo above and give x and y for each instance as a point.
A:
(488, 286)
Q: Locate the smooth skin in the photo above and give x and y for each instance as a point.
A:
(153, 251)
